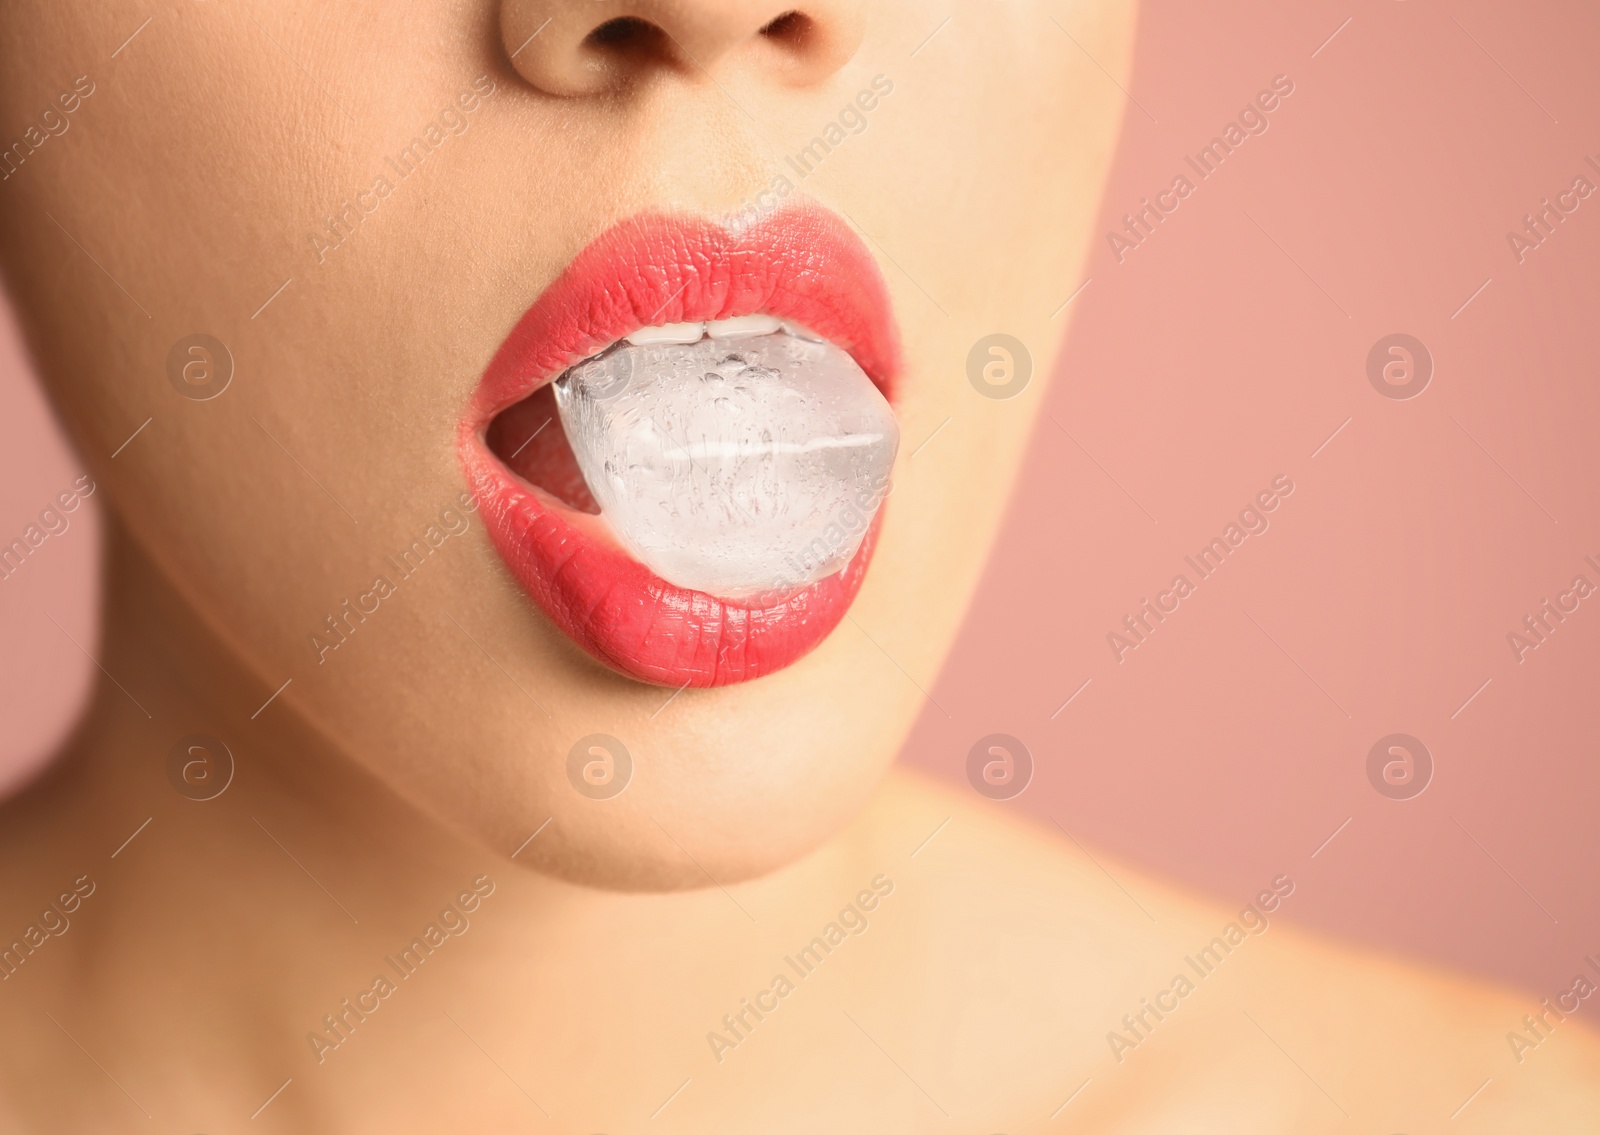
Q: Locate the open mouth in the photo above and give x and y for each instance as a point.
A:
(682, 448)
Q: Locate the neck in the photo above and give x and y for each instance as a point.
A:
(167, 676)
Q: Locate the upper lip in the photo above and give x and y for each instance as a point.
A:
(800, 264)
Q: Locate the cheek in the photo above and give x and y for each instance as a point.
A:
(1003, 94)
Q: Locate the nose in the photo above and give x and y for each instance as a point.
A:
(588, 47)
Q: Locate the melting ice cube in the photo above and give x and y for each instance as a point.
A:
(741, 467)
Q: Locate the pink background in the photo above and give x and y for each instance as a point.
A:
(1220, 353)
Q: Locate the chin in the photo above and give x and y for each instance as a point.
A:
(715, 823)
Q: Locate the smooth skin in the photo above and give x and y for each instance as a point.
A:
(376, 786)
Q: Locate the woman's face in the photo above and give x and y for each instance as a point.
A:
(252, 174)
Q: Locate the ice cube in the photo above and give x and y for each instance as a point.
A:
(743, 468)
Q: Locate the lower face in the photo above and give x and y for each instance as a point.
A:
(353, 511)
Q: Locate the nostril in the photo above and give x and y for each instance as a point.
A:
(625, 35)
(594, 48)
(792, 28)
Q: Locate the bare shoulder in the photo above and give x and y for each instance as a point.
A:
(1101, 998)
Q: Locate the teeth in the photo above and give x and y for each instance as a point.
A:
(742, 466)
(800, 332)
(667, 333)
(741, 326)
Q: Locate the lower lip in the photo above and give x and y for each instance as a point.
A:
(804, 266)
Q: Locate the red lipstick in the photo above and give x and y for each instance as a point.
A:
(803, 265)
